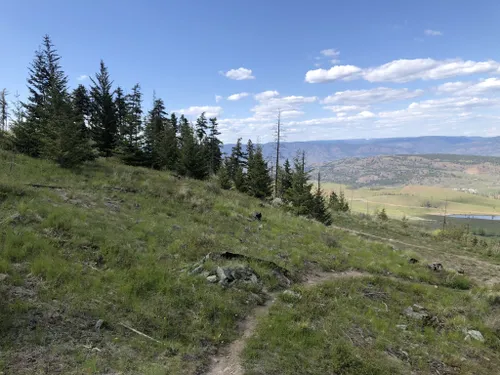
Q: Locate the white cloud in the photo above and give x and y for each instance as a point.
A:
(236, 97)
(330, 52)
(335, 61)
(218, 98)
(405, 70)
(265, 95)
(470, 88)
(371, 96)
(195, 111)
(345, 108)
(289, 106)
(239, 74)
(430, 32)
(83, 77)
(344, 72)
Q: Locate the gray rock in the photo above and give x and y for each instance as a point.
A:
(277, 202)
(3, 276)
(402, 327)
(290, 294)
(197, 270)
(418, 307)
(409, 312)
(473, 334)
(221, 274)
(212, 279)
(99, 324)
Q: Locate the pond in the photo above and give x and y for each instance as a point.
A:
(480, 217)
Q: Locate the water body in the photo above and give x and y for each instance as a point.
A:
(480, 217)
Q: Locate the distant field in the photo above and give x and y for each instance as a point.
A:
(416, 202)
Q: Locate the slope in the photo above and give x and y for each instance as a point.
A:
(109, 269)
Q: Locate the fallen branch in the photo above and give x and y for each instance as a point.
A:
(45, 186)
(139, 333)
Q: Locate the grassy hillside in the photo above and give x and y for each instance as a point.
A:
(102, 272)
(451, 171)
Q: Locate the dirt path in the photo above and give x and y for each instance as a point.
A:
(478, 270)
(228, 362)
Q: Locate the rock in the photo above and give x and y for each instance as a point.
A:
(413, 261)
(290, 294)
(257, 216)
(402, 327)
(212, 279)
(409, 312)
(3, 276)
(460, 271)
(418, 307)
(221, 274)
(435, 267)
(277, 202)
(197, 270)
(254, 279)
(99, 324)
(476, 335)
(176, 227)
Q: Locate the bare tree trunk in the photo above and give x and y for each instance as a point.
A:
(278, 140)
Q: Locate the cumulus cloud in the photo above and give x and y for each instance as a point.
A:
(265, 95)
(430, 32)
(83, 77)
(289, 105)
(218, 98)
(331, 52)
(405, 70)
(210, 111)
(236, 97)
(371, 96)
(344, 72)
(239, 74)
(470, 88)
(345, 108)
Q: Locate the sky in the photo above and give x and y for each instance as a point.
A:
(335, 69)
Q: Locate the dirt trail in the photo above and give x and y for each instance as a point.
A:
(228, 362)
(477, 269)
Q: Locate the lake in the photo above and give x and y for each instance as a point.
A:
(479, 217)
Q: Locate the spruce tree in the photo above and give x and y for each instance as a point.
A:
(333, 201)
(4, 110)
(28, 132)
(174, 122)
(81, 106)
(319, 208)
(259, 181)
(237, 160)
(201, 127)
(286, 178)
(103, 112)
(121, 114)
(299, 195)
(131, 141)
(191, 156)
(214, 153)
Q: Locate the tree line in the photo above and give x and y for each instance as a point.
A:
(73, 127)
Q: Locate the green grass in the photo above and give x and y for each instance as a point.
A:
(351, 327)
(116, 243)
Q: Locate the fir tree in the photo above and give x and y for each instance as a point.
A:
(237, 160)
(250, 151)
(319, 207)
(81, 106)
(333, 201)
(213, 147)
(121, 113)
(4, 110)
(103, 112)
(343, 204)
(240, 179)
(174, 122)
(299, 194)
(259, 181)
(201, 127)
(133, 122)
(191, 156)
(286, 178)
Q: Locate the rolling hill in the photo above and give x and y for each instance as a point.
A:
(319, 152)
(477, 173)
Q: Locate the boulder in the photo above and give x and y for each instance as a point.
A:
(475, 335)
(411, 313)
(212, 279)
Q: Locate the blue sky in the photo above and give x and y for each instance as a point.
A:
(350, 69)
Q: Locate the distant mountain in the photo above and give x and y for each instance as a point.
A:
(319, 152)
(459, 171)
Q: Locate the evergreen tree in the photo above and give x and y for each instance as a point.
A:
(250, 151)
(214, 152)
(133, 122)
(259, 181)
(191, 156)
(174, 122)
(319, 207)
(237, 160)
(28, 132)
(286, 178)
(382, 215)
(103, 112)
(299, 195)
(223, 177)
(343, 204)
(240, 179)
(201, 127)
(121, 113)
(333, 201)
(4, 110)
(81, 106)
